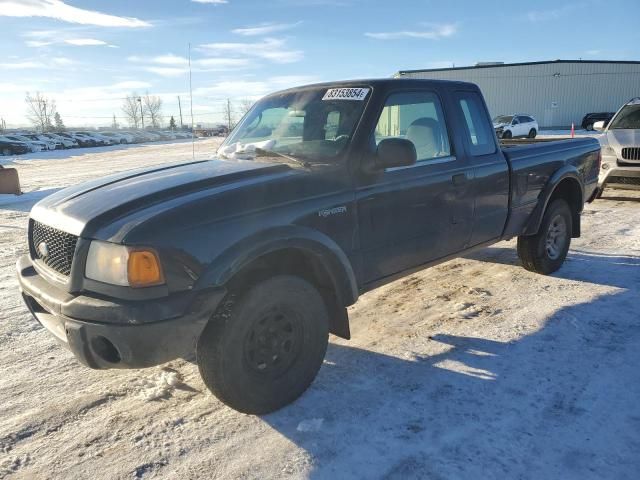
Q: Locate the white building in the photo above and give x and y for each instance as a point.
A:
(556, 92)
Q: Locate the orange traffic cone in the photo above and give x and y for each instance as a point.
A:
(573, 130)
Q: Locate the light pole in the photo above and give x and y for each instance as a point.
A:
(141, 111)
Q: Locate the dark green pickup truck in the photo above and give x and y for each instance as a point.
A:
(321, 193)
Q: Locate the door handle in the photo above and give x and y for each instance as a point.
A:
(459, 179)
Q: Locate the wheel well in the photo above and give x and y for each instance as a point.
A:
(569, 190)
(295, 261)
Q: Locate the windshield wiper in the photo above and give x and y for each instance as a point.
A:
(271, 153)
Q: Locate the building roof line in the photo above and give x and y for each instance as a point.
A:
(502, 65)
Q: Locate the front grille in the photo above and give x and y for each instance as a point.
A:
(624, 180)
(59, 247)
(631, 153)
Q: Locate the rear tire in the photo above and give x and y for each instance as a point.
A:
(263, 348)
(588, 126)
(546, 251)
(532, 133)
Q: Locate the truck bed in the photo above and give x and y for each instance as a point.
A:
(534, 161)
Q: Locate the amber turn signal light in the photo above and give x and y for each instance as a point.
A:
(144, 269)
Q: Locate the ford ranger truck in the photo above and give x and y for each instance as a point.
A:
(321, 193)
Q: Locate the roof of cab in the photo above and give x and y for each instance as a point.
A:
(377, 82)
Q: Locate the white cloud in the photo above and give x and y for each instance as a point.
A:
(59, 10)
(170, 65)
(167, 71)
(547, 15)
(271, 49)
(83, 42)
(128, 85)
(21, 65)
(265, 28)
(434, 32)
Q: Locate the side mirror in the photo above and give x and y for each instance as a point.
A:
(599, 126)
(395, 152)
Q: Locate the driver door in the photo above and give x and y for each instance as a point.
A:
(414, 214)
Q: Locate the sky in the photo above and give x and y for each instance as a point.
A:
(88, 55)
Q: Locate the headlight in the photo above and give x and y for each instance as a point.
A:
(121, 265)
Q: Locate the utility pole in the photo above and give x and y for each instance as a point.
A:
(141, 111)
(180, 108)
(45, 122)
(228, 112)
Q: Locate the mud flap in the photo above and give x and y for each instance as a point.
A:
(9, 182)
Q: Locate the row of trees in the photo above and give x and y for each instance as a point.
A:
(140, 111)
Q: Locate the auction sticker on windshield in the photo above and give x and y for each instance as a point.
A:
(346, 94)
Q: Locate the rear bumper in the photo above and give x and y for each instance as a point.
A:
(107, 333)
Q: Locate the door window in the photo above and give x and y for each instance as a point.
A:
(418, 117)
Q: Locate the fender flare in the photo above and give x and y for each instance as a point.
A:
(312, 242)
(564, 173)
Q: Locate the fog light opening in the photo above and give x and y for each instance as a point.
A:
(105, 350)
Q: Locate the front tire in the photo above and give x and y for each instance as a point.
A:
(546, 251)
(263, 348)
(507, 135)
(532, 133)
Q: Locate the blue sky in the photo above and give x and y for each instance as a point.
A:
(88, 54)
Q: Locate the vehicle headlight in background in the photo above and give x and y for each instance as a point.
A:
(121, 265)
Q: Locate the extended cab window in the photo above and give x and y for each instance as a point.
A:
(416, 116)
(480, 137)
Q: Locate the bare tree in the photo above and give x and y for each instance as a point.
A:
(229, 115)
(245, 106)
(132, 109)
(40, 111)
(153, 109)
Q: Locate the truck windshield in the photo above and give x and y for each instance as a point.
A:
(314, 125)
(628, 118)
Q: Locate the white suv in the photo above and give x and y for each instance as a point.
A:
(517, 125)
(621, 148)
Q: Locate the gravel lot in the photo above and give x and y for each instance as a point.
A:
(472, 369)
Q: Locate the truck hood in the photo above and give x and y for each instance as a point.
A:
(98, 201)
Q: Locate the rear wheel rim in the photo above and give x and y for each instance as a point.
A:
(273, 343)
(556, 238)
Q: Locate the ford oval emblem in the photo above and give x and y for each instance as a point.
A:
(43, 249)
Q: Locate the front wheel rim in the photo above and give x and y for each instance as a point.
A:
(273, 343)
(556, 237)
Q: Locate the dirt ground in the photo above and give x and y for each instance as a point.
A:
(472, 369)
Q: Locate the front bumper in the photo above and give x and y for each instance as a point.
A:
(107, 333)
(617, 176)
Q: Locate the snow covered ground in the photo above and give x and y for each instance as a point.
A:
(472, 369)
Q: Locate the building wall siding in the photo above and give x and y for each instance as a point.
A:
(556, 94)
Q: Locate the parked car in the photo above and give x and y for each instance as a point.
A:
(66, 142)
(621, 148)
(100, 139)
(590, 118)
(13, 147)
(35, 145)
(49, 144)
(116, 138)
(83, 140)
(252, 259)
(512, 126)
